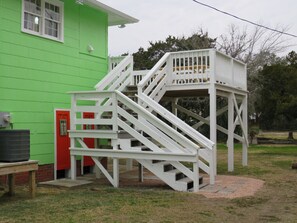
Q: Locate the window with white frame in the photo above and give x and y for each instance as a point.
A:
(43, 18)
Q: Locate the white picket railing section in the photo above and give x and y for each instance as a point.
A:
(193, 67)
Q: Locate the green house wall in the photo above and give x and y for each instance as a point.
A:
(36, 73)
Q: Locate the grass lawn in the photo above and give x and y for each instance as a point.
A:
(275, 202)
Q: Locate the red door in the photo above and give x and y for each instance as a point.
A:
(62, 140)
(90, 142)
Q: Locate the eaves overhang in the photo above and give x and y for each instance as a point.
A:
(115, 17)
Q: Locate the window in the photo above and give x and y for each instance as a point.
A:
(43, 18)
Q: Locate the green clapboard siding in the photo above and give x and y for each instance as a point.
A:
(36, 73)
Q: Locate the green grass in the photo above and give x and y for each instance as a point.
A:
(275, 202)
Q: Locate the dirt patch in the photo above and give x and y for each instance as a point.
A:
(232, 187)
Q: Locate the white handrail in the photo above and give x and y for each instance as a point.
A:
(113, 75)
(188, 144)
(198, 137)
(153, 71)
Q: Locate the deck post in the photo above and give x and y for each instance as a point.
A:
(116, 169)
(230, 141)
(196, 175)
(129, 164)
(213, 122)
(73, 167)
(245, 126)
(174, 108)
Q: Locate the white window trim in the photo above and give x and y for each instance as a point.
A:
(41, 33)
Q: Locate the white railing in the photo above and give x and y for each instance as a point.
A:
(193, 67)
(239, 75)
(229, 71)
(137, 76)
(119, 77)
(190, 67)
(114, 61)
(186, 130)
(164, 137)
(154, 83)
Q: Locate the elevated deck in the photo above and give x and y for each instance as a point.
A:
(195, 70)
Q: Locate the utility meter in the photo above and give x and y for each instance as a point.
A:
(5, 119)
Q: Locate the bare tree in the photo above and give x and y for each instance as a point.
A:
(256, 47)
(243, 44)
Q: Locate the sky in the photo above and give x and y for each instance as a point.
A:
(161, 18)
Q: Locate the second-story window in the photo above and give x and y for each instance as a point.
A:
(43, 18)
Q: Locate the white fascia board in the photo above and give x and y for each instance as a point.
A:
(115, 17)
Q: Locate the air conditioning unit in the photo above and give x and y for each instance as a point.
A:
(14, 145)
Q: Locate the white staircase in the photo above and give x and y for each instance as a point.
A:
(139, 127)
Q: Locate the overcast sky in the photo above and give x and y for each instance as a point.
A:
(161, 18)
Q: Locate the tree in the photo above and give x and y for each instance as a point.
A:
(244, 45)
(146, 59)
(278, 95)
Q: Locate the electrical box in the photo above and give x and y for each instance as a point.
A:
(5, 118)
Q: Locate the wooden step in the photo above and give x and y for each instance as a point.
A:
(190, 183)
(178, 174)
(131, 88)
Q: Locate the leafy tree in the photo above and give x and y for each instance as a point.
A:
(146, 59)
(278, 95)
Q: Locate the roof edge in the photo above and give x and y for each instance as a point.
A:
(115, 17)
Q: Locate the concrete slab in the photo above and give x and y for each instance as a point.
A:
(232, 187)
(66, 183)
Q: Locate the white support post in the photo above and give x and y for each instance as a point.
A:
(97, 172)
(213, 122)
(169, 70)
(129, 164)
(140, 172)
(82, 165)
(72, 140)
(196, 175)
(174, 108)
(230, 142)
(126, 145)
(245, 126)
(73, 167)
(116, 168)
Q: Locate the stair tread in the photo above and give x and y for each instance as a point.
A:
(162, 163)
(186, 180)
(174, 171)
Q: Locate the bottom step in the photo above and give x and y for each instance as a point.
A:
(190, 183)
